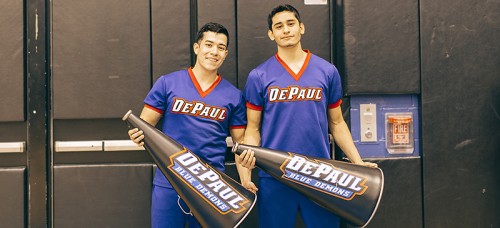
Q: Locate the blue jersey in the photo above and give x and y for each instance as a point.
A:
(294, 106)
(199, 120)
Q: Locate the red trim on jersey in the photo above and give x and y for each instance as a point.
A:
(238, 127)
(154, 109)
(290, 71)
(336, 104)
(198, 87)
(254, 107)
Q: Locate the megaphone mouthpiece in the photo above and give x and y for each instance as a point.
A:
(125, 117)
(235, 150)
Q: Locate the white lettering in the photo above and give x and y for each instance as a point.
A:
(293, 91)
(194, 168)
(295, 163)
(283, 93)
(234, 201)
(214, 113)
(322, 169)
(273, 94)
(318, 95)
(186, 159)
(187, 107)
(345, 179)
(354, 186)
(210, 175)
(205, 111)
(227, 193)
(310, 94)
(178, 103)
(302, 95)
(217, 185)
(307, 167)
(222, 114)
(197, 107)
(332, 176)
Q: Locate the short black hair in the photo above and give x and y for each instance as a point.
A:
(212, 27)
(279, 9)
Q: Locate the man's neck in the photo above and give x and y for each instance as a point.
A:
(292, 55)
(204, 77)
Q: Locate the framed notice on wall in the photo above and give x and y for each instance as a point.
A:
(315, 2)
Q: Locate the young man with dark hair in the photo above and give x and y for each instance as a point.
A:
(199, 110)
(293, 100)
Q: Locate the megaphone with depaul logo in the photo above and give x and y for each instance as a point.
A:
(214, 198)
(351, 191)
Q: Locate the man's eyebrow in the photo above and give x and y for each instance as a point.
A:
(213, 42)
(287, 21)
(277, 23)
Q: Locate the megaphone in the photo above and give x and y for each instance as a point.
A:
(214, 198)
(351, 191)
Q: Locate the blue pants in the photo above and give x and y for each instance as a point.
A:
(279, 204)
(165, 210)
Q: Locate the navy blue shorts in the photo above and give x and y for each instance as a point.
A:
(165, 210)
(279, 204)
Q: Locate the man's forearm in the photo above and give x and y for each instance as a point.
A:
(252, 137)
(244, 173)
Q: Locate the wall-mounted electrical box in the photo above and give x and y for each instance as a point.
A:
(368, 122)
(385, 125)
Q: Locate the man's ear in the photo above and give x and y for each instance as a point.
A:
(196, 47)
(302, 28)
(270, 34)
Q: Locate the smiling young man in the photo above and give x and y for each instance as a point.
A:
(293, 99)
(199, 109)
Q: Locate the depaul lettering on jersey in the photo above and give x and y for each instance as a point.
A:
(294, 93)
(197, 108)
(323, 177)
(207, 183)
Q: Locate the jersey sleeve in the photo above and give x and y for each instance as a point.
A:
(156, 98)
(253, 92)
(334, 89)
(239, 115)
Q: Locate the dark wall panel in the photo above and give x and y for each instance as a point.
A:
(254, 45)
(170, 36)
(208, 11)
(460, 112)
(101, 57)
(11, 64)
(401, 203)
(380, 46)
(102, 195)
(96, 129)
(12, 196)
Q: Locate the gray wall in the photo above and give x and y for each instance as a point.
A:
(460, 112)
